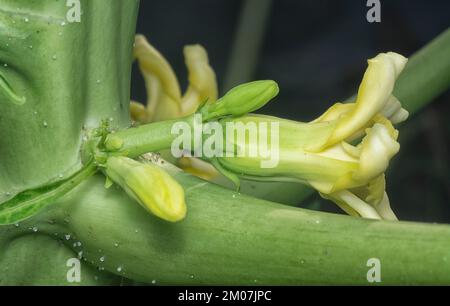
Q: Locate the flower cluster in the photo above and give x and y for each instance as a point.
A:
(343, 154)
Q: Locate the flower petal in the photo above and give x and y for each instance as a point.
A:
(373, 95)
(202, 79)
(163, 90)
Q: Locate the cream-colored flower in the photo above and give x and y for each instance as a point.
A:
(164, 98)
(323, 153)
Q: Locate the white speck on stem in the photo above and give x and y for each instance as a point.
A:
(102, 259)
(67, 236)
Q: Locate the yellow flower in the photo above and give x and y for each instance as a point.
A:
(150, 186)
(323, 153)
(163, 90)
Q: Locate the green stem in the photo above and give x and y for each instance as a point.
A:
(427, 74)
(146, 138)
(229, 238)
(247, 42)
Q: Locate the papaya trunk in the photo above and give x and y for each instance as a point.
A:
(71, 76)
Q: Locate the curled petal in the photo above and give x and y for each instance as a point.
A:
(352, 204)
(163, 90)
(385, 210)
(394, 111)
(377, 148)
(373, 94)
(138, 112)
(202, 79)
(335, 112)
(198, 168)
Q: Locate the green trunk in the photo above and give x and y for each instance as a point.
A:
(72, 75)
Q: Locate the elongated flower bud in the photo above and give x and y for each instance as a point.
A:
(150, 186)
(241, 100)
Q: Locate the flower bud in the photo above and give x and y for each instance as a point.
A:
(150, 186)
(241, 100)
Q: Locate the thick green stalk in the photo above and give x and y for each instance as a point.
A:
(234, 239)
(71, 76)
(427, 74)
(57, 80)
(248, 39)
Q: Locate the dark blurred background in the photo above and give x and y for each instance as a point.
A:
(317, 50)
